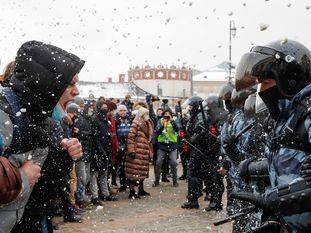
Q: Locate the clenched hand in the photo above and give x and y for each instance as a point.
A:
(73, 147)
(32, 172)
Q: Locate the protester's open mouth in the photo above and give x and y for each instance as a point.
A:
(65, 105)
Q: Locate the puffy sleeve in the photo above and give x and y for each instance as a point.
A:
(131, 138)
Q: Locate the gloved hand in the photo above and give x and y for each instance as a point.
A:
(283, 200)
(132, 155)
(230, 141)
(243, 167)
(306, 168)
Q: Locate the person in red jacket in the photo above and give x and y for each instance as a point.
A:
(114, 143)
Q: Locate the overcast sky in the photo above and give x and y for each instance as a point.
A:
(113, 35)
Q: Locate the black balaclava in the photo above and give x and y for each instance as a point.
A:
(228, 105)
(271, 98)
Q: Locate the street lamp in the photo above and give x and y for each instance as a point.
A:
(232, 34)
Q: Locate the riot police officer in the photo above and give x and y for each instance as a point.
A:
(283, 69)
(201, 144)
(236, 147)
(215, 186)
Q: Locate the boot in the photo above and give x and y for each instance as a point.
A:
(122, 189)
(133, 195)
(182, 177)
(156, 184)
(164, 179)
(109, 198)
(96, 202)
(213, 206)
(72, 218)
(141, 191)
(190, 205)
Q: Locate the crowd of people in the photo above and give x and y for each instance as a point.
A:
(62, 154)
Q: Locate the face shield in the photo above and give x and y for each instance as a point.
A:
(249, 106)
(211, 102)
(256, 66)
(259, 105)
(225, 92)
(205, 105)
(185, 104)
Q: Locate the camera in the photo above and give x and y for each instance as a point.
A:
(167, 118)
(152, 98)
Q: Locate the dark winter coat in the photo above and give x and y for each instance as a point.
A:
(139, 142)
(84, 135)
(57, 166)
(51, 186)
(102, 143)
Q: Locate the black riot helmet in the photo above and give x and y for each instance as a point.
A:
(215, 109)
(225, 95)
(286, 61)
(194, 102)
(212, 102)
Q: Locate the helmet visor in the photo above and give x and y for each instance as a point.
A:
(185, 104)
(225, 92)
(260, 105)
(249, 105)
(252, 68)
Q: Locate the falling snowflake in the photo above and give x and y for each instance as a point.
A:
(167, 20)
(263, 27)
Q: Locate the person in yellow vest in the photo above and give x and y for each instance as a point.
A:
(167, 135)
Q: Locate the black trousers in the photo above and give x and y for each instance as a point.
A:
(200, 170)
(184, 156)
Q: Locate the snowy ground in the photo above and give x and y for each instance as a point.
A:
(159, 213)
